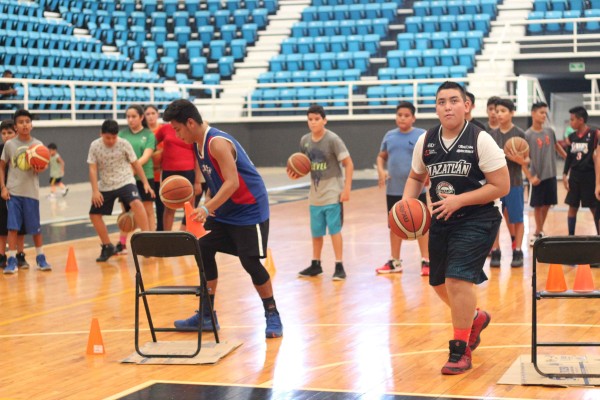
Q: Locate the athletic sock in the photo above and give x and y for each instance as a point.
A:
(39, 250)
(571, 221)
(123, 240)
(269, 304)
(462, 334)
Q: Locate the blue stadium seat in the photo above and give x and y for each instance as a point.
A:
(181, 18)
(341, 12)
(458, 71)
(304, 45)
(404, 73)
(490, 7)
(541, 5)
(228, 32)
(440, 72)
(221, 18)
(554, 27)
(395, 57)
(354, 42)
(211, 79)
(406, 41)
(428, 91)
(270, 5)
(345, 60)
(305, 96)
(464, 22)
(315, 28)
(238, 49)
(351, 75)
(324, 13)
(412, 58)
(356, 11)
(337, 43)
(138, 18)
(213, 5)
(282, 77)
(466, 57)
(194, 48)
(310, 61)
(169, 66)
(171, 49)
(422, 73)
(183, 34)
(241, 17)
(361, 61)
(251, 4)
(277, 62)
(422, 8)
(449, 57)
(559, 5)
(576, 5)
(288, 45)
(309, 14)
(205, 33)
(158, 18)
(592, 26)
(317, 76)
(481, 23)
(471, 7)
(321, 44)
(324, 95)
(149, 6)
(201, 18)
(475, 40)
(371, 43)
(372, 11)
(327, 61)
(293, 62)
(300, 76)
(414, 24)
(535, 28)
(422, 40)
(259, 16)
(439, 40)
(431, 57)
(232, 5)
(430, 23)
(287, 97)
(192, 6)
(170, 6)
(249, 33)
(347, 28)
(266, 77)
(438, 8)
(389, 11)
(217, 49)
(392, 94)
(386, 74)
(198, 67)
(448, 23)
(374, 95)
(569, 26)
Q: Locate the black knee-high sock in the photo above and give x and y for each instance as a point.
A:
(269, 304)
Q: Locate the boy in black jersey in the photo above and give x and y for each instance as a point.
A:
(468, 175)
(579, 176)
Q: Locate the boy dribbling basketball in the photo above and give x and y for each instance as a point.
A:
(468, 175)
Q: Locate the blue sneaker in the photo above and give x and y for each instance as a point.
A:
(274, 326)
(11, 265)
(191, 324)
(42, 264)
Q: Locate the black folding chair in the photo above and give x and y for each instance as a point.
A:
(168, 244)
(568, 250)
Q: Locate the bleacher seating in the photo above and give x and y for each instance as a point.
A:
(562, 9)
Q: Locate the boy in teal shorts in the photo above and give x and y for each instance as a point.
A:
(328, 190)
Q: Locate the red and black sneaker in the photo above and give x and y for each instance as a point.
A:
(481, 321)
(459, 360)
(390, 267)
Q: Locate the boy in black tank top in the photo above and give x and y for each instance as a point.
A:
(468, 175)
(579, 174)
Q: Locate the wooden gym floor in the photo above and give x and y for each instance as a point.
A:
(368, 337)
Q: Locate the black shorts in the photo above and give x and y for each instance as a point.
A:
(142, 193)
(237, 240)
(125, 194)
(459, 250)
(4, 219)
(391, 200)
(544, 194)
(55, 181)
(581, 189)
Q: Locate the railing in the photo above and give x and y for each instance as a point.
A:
(75, 107)
(591, 101)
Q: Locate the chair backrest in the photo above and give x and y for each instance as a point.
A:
(567, 250)
(165, 244)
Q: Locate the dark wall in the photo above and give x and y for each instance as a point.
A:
(267, 144)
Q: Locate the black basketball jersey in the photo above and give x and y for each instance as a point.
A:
(582, 151)
(455, 169)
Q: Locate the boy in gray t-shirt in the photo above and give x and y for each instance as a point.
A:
(21, 193)
(542, 167)
(328, 190)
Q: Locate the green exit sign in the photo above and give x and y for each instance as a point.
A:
(577, 67)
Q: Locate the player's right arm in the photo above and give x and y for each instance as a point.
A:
(4, 191)
(97, 198)
(381, 172)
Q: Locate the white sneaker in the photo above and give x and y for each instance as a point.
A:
(65, 191)
(534, 238)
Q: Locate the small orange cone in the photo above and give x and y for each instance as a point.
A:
(583, 279)
(269, 263)
(71, 261)
(556, 279)
(194, 227)
(95, 344)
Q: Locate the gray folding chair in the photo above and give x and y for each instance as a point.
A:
(568, 250)
(168, 244)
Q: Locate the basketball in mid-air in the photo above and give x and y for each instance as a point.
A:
(126, 222)
(517, 145)
(38, 156)
(409, 219)
(299, 163)
(175, 191)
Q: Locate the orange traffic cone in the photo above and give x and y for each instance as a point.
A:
(71, 261)
(583, 279)
(194, 227)
(556, 279)
(269, 263)
(95, 344)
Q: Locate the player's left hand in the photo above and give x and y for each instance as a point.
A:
(447, 206)
(148, 189)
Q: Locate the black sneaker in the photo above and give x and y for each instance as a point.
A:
(3, 259)
(517, 260)
(120, 249)
(108, 250)
(314, 270)
(21, 262)
(339, 274)
(495, 260)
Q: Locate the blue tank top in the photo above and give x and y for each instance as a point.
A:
(249, 204)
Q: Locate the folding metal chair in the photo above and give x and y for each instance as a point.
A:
(561, 250)
(168, 244)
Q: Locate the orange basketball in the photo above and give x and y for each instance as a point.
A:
(409, 219)
(126, 222)
(299, 163)
(175, 191)
(517, 145)
(38, 155)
